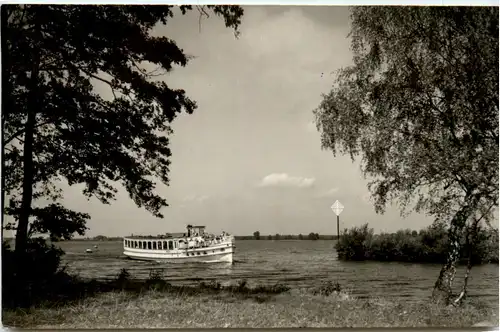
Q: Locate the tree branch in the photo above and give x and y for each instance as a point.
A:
(100, 79)
(21, 131)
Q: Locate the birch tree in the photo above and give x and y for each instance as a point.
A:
(419, 108)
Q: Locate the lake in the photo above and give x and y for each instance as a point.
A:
(292, 262)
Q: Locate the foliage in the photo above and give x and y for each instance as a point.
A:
(353, 244)
(54, 219)
(313, 236)
(256, 235)
(419, 106)
(429, 245)
(327, 289)
(58, 127)
(43, 264)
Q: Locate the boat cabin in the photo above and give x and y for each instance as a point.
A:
(194, 231)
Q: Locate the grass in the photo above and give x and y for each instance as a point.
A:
(213, 306)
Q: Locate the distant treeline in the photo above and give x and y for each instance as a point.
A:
(428, 245)
(310, 236)
(99, 238)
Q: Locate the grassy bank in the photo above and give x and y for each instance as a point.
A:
(204, 307)
(71, 302)
(428, 245)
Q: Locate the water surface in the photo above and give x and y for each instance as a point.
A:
(293, 262)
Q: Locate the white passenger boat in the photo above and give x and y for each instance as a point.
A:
(193, 246)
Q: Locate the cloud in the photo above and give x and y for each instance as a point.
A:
(285, 180)
(195, 198)
(329, 193)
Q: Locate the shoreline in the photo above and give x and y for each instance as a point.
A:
(296, 309)
(161, 305)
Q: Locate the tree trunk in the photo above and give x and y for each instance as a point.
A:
(5, 76)
(442, 292)
(470, 243)
(28, 166)
(3, 185)
(443, 286)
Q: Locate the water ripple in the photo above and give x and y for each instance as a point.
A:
(296, 263)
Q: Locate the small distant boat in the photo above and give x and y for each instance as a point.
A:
(195, 246)
(88, 251)
(95, 246)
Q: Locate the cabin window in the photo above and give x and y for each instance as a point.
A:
(204, 253)
(165, 245)
(140, 244)
(170, 245)
(154, 245)
(175, 244)
(149, 245)
(198, 253)
(128, 243)
(136, 245)
(160, 247)
(222, 249)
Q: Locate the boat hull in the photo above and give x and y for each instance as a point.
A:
(196, 255)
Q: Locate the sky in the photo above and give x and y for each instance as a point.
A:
(250, 158)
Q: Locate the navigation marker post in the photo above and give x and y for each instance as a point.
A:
(337, 208)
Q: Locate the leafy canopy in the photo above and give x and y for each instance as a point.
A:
(419, 106)
(53, 54)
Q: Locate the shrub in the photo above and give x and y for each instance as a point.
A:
(429, 245)
(37, 274)
(354, 243)
(156, 280)
(327, 289)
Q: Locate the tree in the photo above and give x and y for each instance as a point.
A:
(313, 236)
(419, 106)
(256, 235)
(57, 127)
(301, 237)
(269, 237)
